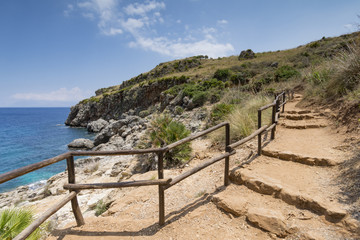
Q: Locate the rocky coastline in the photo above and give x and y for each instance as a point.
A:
(115, 134)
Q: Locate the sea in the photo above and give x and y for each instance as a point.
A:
(30, 135)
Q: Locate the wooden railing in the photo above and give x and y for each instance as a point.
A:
(162, 182)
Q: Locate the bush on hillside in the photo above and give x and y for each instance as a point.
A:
(336, 78)
(347, 77)
(222, 74)
(164, 131)
(243, 117)
(285, 72)
(219, 111)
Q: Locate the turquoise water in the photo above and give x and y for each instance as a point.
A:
(30, 135)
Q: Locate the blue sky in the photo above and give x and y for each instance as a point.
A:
(56, 52)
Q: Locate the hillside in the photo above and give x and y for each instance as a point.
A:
(191, 82)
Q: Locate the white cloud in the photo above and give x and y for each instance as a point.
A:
(60, 95)
(69, 9)
(223, 21)
(131, 24)
(350, 27)
(165, 46)
(142, 9)
(140, 20)
(113, 31)
(106, 13)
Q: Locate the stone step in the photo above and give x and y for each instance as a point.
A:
(298, 111)
(269, 186)
(320, 143)
(274, 215)
(289, 156)
(298, 116)
(303, 124)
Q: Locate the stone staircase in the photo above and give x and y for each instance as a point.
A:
(288, 191)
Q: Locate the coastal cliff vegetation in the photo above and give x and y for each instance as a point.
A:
(327, 68)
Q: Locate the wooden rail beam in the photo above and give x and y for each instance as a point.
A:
(32, 167)
(117, 184)
(198, 168)
(195, 136)
(113, 153)
(244, 140)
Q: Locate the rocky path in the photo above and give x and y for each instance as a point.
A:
(289, 190)
(287, 193)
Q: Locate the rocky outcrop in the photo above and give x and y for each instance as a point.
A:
(248, 54)
(112, 106)
(122, 128)
(97, 126)
(81, 143)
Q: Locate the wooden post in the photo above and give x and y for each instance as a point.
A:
(227, 159)
(161, 189)
(273, 121)
(74, 202)
(283, 101)
(259, 136)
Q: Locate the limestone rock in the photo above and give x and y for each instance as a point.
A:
(97, 126)
(118, 168)
(231, 203)
(269, 220)
(81, 143)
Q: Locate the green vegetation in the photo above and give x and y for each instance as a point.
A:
(242, 117)
(336, 78)
(178, 110)
(222, 74)
(199, 92)
(219, 111)
(163, 131)
(14, 220)
(101, 207)
(284, 73)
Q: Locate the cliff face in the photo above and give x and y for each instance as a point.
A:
(111, 105)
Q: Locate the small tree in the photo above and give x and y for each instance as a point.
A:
(163, 131)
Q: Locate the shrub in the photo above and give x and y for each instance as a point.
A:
(163, 131)
(347, 77)
(101, 207)
(199, 98)
(314, 44)
(243, 117)
(285, 72)
(213, 83)
(337, 78)
(15, 220)
(222, 74)
(178, 110)
(219, 111)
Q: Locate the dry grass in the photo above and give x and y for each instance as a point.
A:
(243, 119)
(335, 78)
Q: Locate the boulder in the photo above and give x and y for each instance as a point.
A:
(97, 126)
(81, 143)
(246, 54)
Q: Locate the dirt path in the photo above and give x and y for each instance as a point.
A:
(285, 193)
